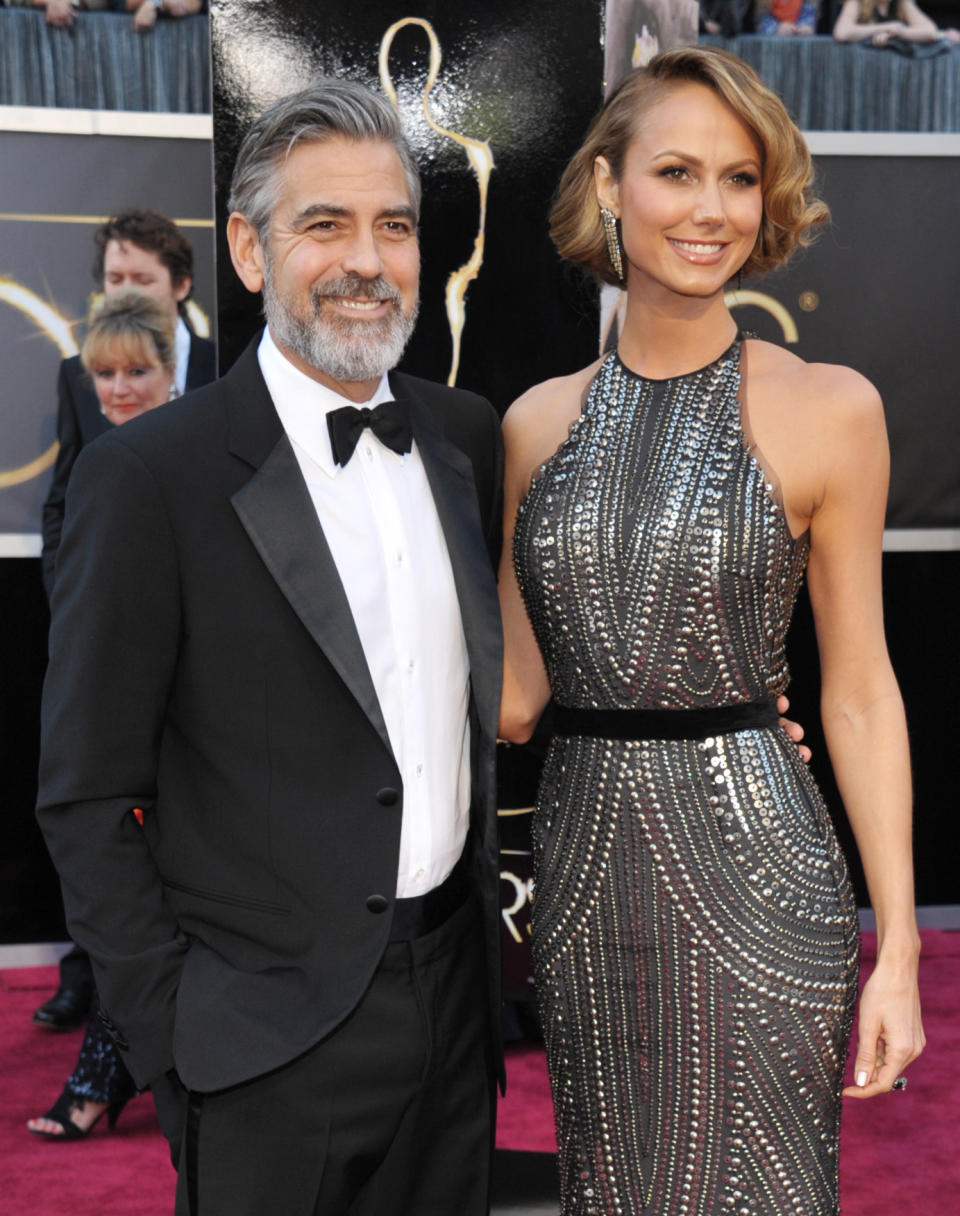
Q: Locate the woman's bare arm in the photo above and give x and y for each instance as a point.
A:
(862, 712)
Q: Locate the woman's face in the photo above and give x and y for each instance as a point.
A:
(129, 382)
(689, 198)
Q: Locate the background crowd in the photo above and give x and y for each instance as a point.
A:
(145, 12)
(876, 21)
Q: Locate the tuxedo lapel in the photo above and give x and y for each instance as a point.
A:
(450, 475)
(276, 511)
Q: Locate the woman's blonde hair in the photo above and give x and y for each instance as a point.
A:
(790, 208)
(869, 12)
(133, 322)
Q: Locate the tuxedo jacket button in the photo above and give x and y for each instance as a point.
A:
(378, 903)
(387, 796)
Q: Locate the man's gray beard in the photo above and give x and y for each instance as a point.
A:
(342, 348)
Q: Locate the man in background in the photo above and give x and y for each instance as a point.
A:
(145, 250)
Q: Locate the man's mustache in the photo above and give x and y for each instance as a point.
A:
(354, 285)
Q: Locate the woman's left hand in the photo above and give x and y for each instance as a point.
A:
(891, 1030)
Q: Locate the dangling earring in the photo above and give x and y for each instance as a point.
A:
(740, 279)
(613, 241)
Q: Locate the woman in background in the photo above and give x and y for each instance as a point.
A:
(695, 933)
(130, 356)
(880, 20)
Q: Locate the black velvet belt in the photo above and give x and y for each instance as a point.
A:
(665, 723)
(421, 914)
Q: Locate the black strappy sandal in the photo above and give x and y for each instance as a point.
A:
(62, 1109)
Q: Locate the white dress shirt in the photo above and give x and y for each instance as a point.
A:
(181, 343)
(381, 523)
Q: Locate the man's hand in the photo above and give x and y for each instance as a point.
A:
(793, 729)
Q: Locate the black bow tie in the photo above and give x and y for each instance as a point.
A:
(389, 421)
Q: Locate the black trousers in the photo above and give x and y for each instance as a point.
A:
(391, 1115)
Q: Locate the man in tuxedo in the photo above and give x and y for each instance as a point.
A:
(142, 249)
(277, 637)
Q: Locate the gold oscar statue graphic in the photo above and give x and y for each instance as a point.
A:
(759, 299)
(60, 332)
(480, 159)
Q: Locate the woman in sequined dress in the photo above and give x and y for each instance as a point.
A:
(694, 931)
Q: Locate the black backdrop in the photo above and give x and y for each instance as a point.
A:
(878, 291)
(524, 79)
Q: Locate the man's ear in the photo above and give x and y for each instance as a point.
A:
(246, 252)
(182, 289)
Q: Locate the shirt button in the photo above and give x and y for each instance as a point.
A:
(419, 770)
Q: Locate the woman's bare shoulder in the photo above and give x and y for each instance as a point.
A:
(821, 390)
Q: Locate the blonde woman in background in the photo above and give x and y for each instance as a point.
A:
(130, 357)
(880, 20)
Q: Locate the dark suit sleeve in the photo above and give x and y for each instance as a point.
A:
(492, 511)
(68, 437)
(113, 644)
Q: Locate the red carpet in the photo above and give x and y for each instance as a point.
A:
(899, 1155)
(127, 1173)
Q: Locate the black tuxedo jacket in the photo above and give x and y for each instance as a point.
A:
(79, 420)
(205, 668)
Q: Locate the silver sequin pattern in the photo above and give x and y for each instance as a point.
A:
(694, 929)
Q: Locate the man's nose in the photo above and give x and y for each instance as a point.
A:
(362, 255)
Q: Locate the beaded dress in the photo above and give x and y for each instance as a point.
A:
(99, 1074)
(694, 929)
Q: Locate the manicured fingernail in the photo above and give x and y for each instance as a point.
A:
(861, 1079)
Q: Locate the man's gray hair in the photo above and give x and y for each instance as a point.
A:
(328, 108)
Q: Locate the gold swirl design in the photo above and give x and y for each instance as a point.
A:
(733, 299)
(60, 332)
(480, 158)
